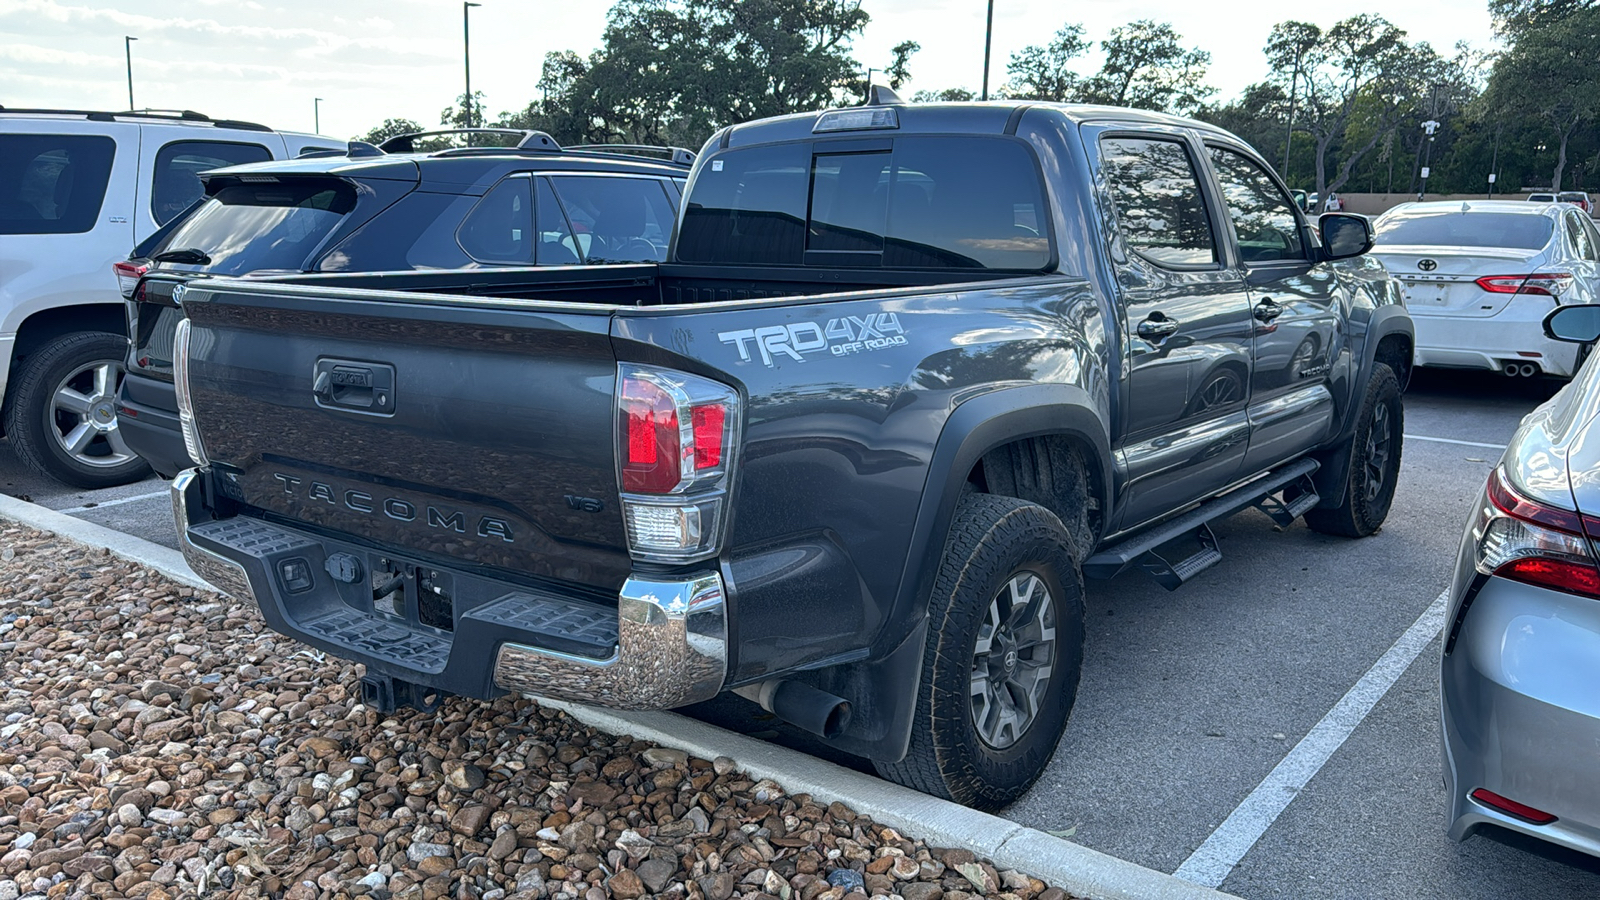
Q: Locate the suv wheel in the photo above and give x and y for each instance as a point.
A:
(62, 416)
(1004, 653)
(1374, 462)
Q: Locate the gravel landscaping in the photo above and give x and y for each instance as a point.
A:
(160, 742)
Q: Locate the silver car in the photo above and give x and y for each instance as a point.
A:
(1480, 276)
(1520, 676)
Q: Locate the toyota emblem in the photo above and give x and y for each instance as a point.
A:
(1427, 265)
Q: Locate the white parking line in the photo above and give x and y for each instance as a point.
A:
(1438, 440)
(1210, 864)
(117, 502)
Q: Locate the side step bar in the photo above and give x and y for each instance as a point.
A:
(1141, 550)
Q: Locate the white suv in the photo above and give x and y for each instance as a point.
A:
(78, 191)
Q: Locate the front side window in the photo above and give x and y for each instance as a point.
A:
(176, 185)
(617, 219)
(499, 229)
(1263, 217)
(53, 183)
(1160, 209)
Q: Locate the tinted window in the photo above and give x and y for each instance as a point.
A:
(1572, 197)
(400, 237)
(1578, 237)
(849, 201)
(500, 228)
(1157, 194)
(1465, 229)
(178, 166)
(556, 244)
(53, 183)
(617, 219)
(1263, 218)
(748, 206)
(929, 203)
(257, 227)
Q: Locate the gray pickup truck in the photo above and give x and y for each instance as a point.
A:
(910, 374)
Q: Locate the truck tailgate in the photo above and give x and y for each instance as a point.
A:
(475, 430)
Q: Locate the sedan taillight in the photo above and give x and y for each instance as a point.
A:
(1521, 539)
(676, 436)
(1550, 284)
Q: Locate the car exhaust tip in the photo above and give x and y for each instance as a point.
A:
(801, 705)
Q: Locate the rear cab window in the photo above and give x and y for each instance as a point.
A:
(53, 183)
(176, 185)
(910, 202)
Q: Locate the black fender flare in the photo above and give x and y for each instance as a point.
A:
(1334, 474)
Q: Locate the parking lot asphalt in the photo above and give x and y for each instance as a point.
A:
(1190, 699)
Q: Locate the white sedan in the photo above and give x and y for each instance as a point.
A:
(1480, 276)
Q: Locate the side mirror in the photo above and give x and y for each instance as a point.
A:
(1344, 235)
(1578, 323)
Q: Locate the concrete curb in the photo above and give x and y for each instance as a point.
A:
(1071, 867)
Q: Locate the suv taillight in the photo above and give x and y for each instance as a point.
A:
(676, 437)
(128, 276)
(180, 381)
(1550, 284)
(1524, 540)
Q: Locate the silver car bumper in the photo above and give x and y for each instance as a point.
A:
(672, 633)
(1522, 713)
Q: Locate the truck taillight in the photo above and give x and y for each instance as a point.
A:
(128, 276)
(1521, 539)
(676, 435)
(180, 381)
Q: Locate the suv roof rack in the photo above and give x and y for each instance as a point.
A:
(678, 155)
(406, 143)
(181, 115)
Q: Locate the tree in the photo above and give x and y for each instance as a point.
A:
(899, 71)
(1146, 67)
(1516, 17)
(1042, 73)
(1288, 49)
(948, 95)
(1548, 74)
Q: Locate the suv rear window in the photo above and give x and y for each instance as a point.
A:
(178, 166)
(53, 183)
(255, 227)
(916, 203)
(1466, 229)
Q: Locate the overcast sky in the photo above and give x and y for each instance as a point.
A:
(265, 60)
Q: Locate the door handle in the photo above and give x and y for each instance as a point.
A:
(1267, 310)
(1154, 329)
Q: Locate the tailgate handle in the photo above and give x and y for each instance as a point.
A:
(354, 386)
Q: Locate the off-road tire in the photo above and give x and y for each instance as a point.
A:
(992, 539)
(1358, 515)
(30, 409)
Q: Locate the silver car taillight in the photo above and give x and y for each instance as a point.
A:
(180, 381)
(1521, 539)
(676, 439)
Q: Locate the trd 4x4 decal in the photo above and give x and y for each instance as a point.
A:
(841, 337)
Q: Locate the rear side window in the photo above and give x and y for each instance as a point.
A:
(53, 183)
(617, 219)
(1160, 210)
(1521, 231)
(178, 166)
(924, 202)
(500, 228)
(260, 227)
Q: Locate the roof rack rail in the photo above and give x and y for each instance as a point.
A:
(678, 155)
(183, 115)
(406, 143)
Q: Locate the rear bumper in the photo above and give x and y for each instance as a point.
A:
(663, 646)
(155, 435)
(1469, 342)
(1520, 715)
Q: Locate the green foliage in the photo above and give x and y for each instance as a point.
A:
(1548, 75)
(947, 95)
(389, 129)
(1042, 73)
(899, 71)
(1514, 18)
(1147, 68)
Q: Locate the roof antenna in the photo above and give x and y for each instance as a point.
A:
(883, 95)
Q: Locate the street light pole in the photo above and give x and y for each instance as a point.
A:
(1430, 127)
(127, 48)
(1288, 139)
(466, 53)
(316, 115)
(988, 42)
